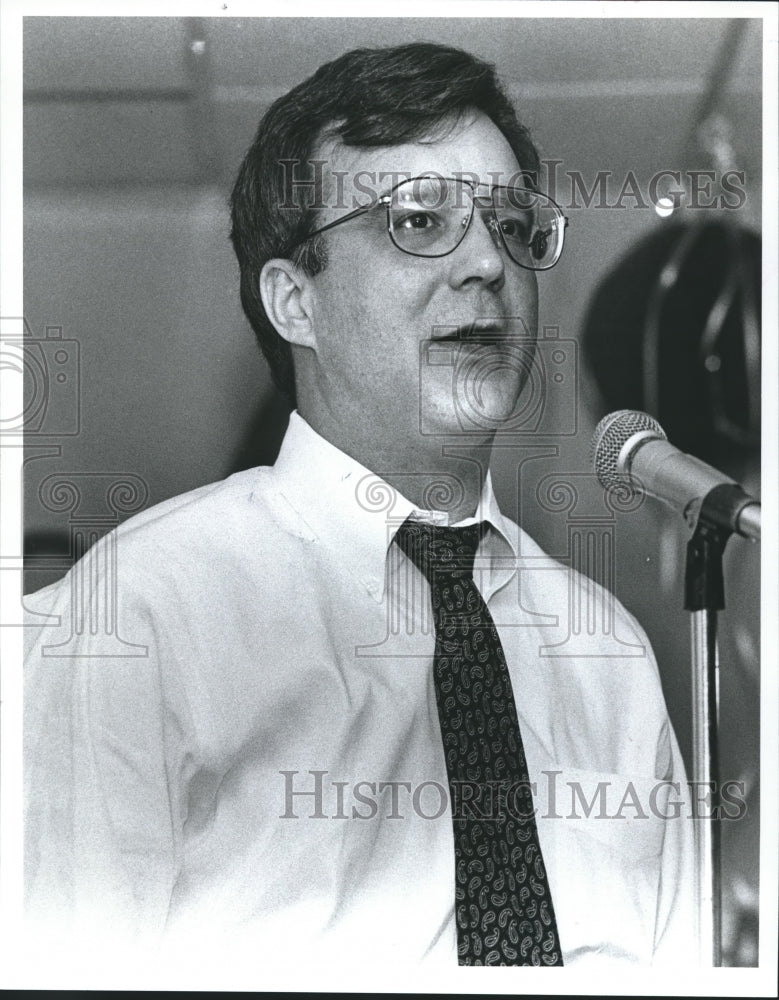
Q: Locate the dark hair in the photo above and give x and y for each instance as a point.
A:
(365, 98)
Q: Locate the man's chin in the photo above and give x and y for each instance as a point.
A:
(474, 415)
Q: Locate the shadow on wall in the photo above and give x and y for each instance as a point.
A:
(263, 434)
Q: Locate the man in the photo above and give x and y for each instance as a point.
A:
(326, 716)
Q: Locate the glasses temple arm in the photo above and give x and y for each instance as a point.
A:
(344, 218)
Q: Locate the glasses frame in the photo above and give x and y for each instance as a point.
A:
(493, 222)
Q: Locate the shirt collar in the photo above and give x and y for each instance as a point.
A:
(343, 505)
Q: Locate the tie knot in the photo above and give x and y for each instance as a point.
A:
(438, 550)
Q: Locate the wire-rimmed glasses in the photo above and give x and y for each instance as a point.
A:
(429, 216)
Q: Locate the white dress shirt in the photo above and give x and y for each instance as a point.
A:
(231, 732)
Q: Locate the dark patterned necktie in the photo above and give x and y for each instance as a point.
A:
(503, 904)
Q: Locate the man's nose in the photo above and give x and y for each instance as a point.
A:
(481, 256)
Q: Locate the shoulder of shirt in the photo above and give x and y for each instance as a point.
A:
(204, 501)
(194, 529)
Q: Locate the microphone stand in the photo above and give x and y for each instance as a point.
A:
(704, 597)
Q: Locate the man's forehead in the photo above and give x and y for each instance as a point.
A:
(470, 146)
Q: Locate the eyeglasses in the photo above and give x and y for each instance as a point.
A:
(429, 216)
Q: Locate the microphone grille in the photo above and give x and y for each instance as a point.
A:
(611, 435)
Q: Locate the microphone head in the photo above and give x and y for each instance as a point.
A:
(610, 437)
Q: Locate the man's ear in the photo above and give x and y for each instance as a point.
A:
(285, 291)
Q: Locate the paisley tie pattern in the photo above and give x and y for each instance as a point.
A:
(503, 904)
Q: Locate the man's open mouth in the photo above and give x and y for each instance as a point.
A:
(479, 330)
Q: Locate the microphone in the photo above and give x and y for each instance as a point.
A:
(630, 449)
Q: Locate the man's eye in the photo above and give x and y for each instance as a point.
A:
(514, 229)
(417, 220)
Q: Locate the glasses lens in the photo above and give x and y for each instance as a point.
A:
(531, 226)
(428, 216)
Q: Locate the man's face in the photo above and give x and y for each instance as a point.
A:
(387, 352)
